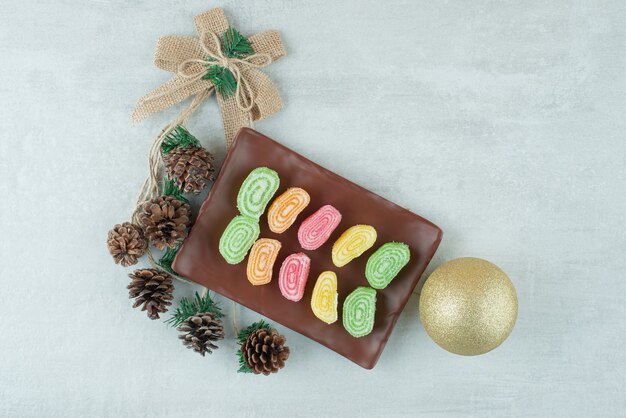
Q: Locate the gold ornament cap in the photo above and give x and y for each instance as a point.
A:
(468, 306)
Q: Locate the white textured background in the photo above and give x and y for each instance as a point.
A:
(502, 122)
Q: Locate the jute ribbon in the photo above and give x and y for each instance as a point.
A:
(256, 96)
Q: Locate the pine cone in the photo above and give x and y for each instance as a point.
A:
(190, 167)
(200, 331)
(165, 220)
(264, 351)
(153, 289)
(126, 243)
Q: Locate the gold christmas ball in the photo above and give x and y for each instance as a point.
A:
(468, 306)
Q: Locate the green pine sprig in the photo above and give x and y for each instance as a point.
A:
(234, 45)
(190, 307)
(222, 78)
(243, 368)
(178, 137)
(168, 257)
(243, 336)
(170, 189)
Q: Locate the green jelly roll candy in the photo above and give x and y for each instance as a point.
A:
(238, 238)
(256, 191)
(358, 311)
(385, 264)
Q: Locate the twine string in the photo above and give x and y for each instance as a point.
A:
(151, 187)
(206, 290)
(234, 318)
(194, 69)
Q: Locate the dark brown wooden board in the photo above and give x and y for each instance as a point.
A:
(200, 260)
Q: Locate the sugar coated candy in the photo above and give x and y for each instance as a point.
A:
(261, 261)
(293, 276)
(316, 229)
(238, 237)
(352, 243)
(286, 208)
(256, 191)
(385, 264)
(324, 298)
(359, 310)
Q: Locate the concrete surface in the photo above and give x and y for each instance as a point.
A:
(503, 122)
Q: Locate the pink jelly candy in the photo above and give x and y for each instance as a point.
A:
(315, 230)
(292, 276)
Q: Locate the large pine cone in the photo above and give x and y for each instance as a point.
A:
(264, 351)
(190, 167)
(165, 220)
(126, 243)
(153, 289)
(200, 331)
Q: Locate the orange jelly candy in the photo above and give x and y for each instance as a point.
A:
(261, 261)
(286, 208)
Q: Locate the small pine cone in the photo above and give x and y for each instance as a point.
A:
(265, 351)
(165, 220)
(126, 243)
(200, 331)
(190, 167)
(153, 289)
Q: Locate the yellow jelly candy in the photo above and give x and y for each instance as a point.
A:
(324, 299)
(261, 261)
(352, 243)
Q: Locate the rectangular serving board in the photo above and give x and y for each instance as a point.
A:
(200, 260)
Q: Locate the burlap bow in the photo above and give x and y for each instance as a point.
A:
(256, 96)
